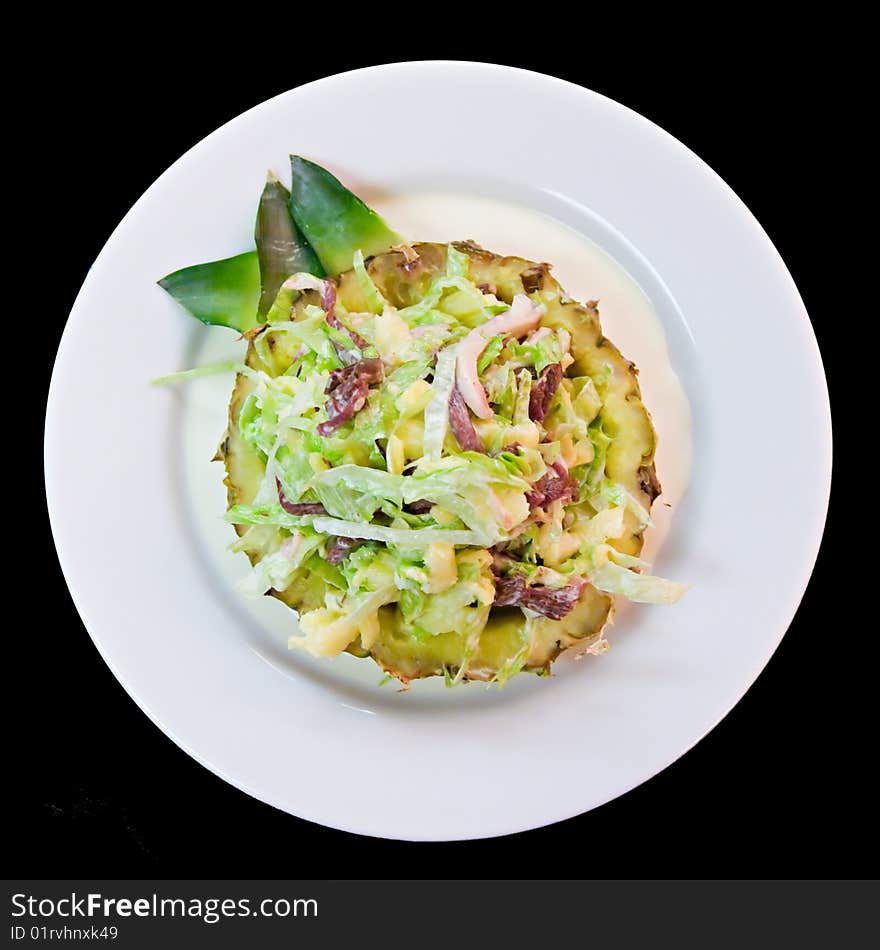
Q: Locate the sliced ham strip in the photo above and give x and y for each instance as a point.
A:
(339, 549)
(543, 392)
(325, 288)
(461, 425)
(298, 507)
(327, 291)
(420, 507)
(538, 335)
(508, 590)
(348, 389)
(521, 317)
(552, 602)
(555, 485)
(356, 338)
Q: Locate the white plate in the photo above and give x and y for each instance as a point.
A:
(318, 739)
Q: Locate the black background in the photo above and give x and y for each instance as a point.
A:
(777, 789)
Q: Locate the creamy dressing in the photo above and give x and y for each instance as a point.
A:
(586, 272)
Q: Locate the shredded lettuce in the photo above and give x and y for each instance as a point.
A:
(641, 588)
(610, 493)
(585, 402)
(267, 514)
(461, 608)
(354, 492)
(540, 354)
(523, 394)
(456, 263)
(564, 419)
(512, 666)
(490, 354)
(213, 370)
(374, 299)
(479, 490)
(614, 572)
(279, 312)
(403, 537)
(601, 443)
(452, 297)
(278, 569)
(437, 411)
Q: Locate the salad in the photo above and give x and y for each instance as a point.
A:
(433, 455)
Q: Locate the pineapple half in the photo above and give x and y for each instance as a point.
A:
(509, 635)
